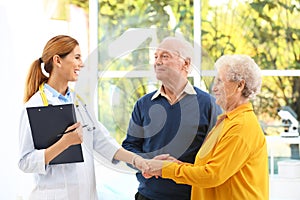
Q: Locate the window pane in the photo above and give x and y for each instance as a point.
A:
(116, 98)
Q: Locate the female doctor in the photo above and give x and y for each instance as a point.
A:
(74, 181)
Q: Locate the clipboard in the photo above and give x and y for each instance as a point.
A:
(47, 123)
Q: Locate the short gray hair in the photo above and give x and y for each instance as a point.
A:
(242, 67)
(182, 46)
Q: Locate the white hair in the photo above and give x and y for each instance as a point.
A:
(180, 45)
(242, 67)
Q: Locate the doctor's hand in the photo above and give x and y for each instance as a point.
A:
(140, 163)
(72, 135)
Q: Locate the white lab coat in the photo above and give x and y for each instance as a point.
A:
(75, 181)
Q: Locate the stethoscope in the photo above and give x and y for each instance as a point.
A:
(89, 126)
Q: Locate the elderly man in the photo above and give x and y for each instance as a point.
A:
(232, 162)
(175, 119)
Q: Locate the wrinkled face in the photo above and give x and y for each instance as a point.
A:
(168, 64)
(225, 91)
(70, 65)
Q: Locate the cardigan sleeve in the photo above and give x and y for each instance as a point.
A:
(229, 156)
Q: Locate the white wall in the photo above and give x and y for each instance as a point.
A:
(25, 29)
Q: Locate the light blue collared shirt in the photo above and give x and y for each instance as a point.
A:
(63, 98)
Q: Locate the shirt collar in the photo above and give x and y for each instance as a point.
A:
(240, 109)
(63, 98)
(188, 89)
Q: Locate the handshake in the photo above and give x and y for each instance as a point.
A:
(152, 167)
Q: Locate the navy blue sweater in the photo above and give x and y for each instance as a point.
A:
(156, 127)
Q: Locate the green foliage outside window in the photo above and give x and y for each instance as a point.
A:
(266, 30)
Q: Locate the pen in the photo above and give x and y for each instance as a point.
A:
(61, 134)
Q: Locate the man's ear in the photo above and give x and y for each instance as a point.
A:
(187, 64)
(187, 61)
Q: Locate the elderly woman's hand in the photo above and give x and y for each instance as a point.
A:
(155, 168)
(167, 157)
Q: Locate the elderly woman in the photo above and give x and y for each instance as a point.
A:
(232, 162)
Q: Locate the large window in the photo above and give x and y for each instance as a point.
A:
(267, 31)
(128, 34)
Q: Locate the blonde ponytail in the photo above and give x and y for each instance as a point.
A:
(34, 78)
